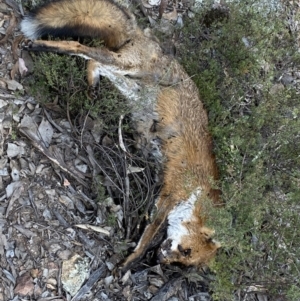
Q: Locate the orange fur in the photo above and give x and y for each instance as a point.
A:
(158, 90)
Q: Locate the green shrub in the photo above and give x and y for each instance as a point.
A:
(59, 76)
(64, 77)
(237, 63)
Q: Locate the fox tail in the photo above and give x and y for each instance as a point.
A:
(101, 19)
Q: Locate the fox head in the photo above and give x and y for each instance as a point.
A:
(195, 249)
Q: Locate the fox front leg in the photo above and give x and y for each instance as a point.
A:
(152, 236)
(141, 249)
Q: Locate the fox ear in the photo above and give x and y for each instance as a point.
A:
(216, 243)
(208, 234)
(213, 243)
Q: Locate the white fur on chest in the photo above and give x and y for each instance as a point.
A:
(183, 212)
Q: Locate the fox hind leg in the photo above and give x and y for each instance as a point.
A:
(101, 55)
(93, 78)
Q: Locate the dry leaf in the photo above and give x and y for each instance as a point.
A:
(133, 169)
(12, 24)
(15, 46)
(46, 132)
(14, 70)
(94, 228)
(12, 84)
(66, 183)
(22, 67)
(172, 16)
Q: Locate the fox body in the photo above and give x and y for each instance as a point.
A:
(160, 93)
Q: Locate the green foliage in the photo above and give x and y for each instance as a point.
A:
(13, 134)
(237, 63)
(99, 189)
(59, 76)
(65, 77)
(112, 220)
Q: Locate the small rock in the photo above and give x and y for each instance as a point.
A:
(287, 79)
(52, 281)
(54, 247)
(66, 201)
(108, 280)
(3, 103)
(51, 287)
(30, 106)
(14, 150)
(47, 214)
(148, 295)
(64, 255)
(153, 289)
(74, 273)
(13, 85)
(154, 2)
(103, 296)
(156, 282)
(110, 265)
(126, 277)
(127, 292)
(34, 273)
(45, 273)
(15, 174)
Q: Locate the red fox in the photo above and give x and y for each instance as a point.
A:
(160, 93)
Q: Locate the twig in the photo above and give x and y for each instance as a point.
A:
(83, 127)
(126, 180)
(95, 276)
(121, 142)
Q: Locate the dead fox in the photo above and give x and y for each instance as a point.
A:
(165, 107)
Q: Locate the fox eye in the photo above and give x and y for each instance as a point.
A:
(187, 252)
(184, 252)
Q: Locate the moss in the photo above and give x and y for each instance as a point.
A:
(254, 120)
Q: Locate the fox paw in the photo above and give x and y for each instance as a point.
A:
(93, 92)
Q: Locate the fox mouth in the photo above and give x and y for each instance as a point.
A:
(163, 251)
(162, 256)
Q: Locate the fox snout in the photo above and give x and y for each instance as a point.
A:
(166, 254)
(188, 252)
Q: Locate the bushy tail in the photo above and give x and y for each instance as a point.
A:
(102, 19)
